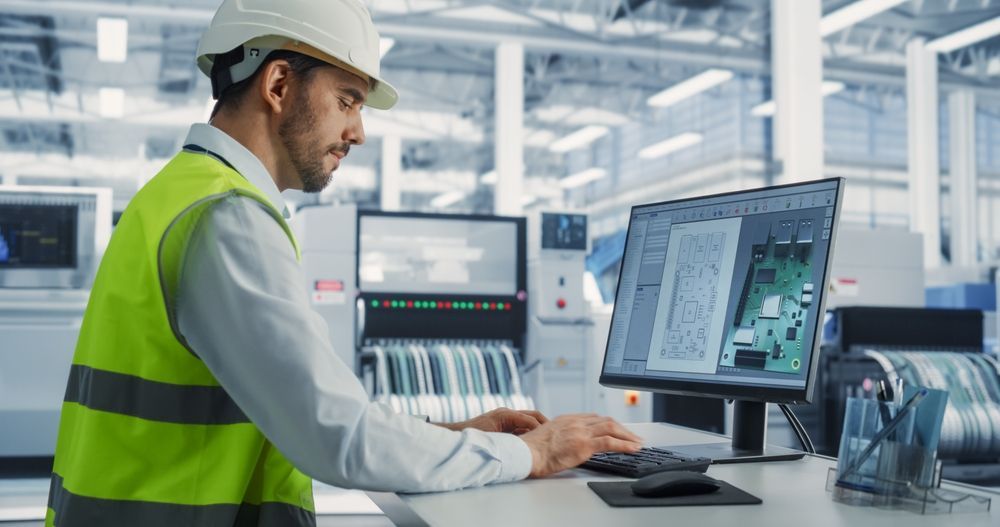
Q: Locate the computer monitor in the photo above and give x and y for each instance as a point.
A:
(722, 296)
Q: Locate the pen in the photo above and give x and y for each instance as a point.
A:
(881, 435)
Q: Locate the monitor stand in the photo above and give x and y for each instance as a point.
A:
(748, 444)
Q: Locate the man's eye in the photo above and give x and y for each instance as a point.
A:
(344, 105)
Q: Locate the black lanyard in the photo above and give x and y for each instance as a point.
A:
(198, 149)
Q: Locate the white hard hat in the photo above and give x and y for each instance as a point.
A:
(339, 32)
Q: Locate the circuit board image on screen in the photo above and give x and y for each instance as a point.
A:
(768, 328)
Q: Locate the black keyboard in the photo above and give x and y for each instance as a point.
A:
(645, 461)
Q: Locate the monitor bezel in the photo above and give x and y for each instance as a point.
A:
(520, 224)
(727, 390)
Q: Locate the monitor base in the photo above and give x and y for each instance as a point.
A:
(722, 453)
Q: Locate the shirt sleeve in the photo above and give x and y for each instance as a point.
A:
(242, 307)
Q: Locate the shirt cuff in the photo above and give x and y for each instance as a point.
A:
(515, 457)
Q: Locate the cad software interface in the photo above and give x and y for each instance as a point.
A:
(723, 289)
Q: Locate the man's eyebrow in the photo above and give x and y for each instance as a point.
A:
(354, 93)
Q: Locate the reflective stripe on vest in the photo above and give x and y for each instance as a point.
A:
(109, 391)
(80, 511)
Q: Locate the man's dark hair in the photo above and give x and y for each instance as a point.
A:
(302, 65)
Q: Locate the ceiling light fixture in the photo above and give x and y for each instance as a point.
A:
(767, 108)
(579, 138)
(671, 145)
(853, 13)
(111, 103)
(112, 39)
(448, 198)
(489, 178)
(965, 37)
(582, 178)
(690, 87)
(384, 45)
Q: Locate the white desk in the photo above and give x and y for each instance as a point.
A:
(793, 492)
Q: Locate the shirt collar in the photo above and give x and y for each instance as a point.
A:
(244, 161)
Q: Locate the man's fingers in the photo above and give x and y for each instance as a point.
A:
(537, 415)
(613, 444)
(514, 420)
(612, 428)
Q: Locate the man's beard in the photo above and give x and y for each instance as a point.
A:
(305, 153)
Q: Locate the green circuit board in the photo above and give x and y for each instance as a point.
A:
(768, 328)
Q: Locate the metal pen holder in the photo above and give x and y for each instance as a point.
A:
(891, 468)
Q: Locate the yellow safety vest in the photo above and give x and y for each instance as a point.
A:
(147, 436)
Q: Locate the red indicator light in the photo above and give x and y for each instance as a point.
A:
(479, 305)
(409, 303)
(493, 305)
(561, 304)
(385, 303)
(328, 285)
(447, 305)
(506, 306)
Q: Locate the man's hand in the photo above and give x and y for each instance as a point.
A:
(569, 440)
(502, 420)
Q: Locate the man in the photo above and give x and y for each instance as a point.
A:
(203, 390)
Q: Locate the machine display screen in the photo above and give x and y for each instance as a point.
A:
(437, 255)
(724, 289)
(37, 236)
(564, 231)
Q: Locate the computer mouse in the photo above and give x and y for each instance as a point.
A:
(674, 483)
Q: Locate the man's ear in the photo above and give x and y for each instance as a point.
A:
(274, 85)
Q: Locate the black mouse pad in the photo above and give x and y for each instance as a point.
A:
(619, 494)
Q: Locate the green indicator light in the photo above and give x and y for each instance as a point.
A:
(374, 303)
(395, 304)
(421, 304)
(500, 307)
(434, 305)
(418, 304)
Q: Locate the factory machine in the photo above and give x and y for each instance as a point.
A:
(559, 324)
(429, 309)
(51, 241)
(567, 335)
(937, 348)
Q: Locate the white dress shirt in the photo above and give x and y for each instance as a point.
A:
(242, 308)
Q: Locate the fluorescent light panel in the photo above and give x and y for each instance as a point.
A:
(767, 108)
(668, 146)
(965, 37)
(579, 138)
(448, 198)
(853, 13)
(112, 39)
(384, 45)
(489, 178)
(111, 103)
(689, 88)
(582, 178)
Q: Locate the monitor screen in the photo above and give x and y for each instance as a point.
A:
(564, 231)
(37, 236)
(722, 295)
(437, 255)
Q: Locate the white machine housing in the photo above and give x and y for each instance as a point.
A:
(327, 237)
(877, 267)
(40, 314)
